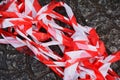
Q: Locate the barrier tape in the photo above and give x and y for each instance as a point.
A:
(84, 55)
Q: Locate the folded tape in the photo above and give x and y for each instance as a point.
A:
(84, 55)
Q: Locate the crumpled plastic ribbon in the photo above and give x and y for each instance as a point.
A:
(84, 55)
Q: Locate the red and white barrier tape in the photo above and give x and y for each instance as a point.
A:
(84, 54)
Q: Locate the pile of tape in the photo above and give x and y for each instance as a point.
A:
(27, 24)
